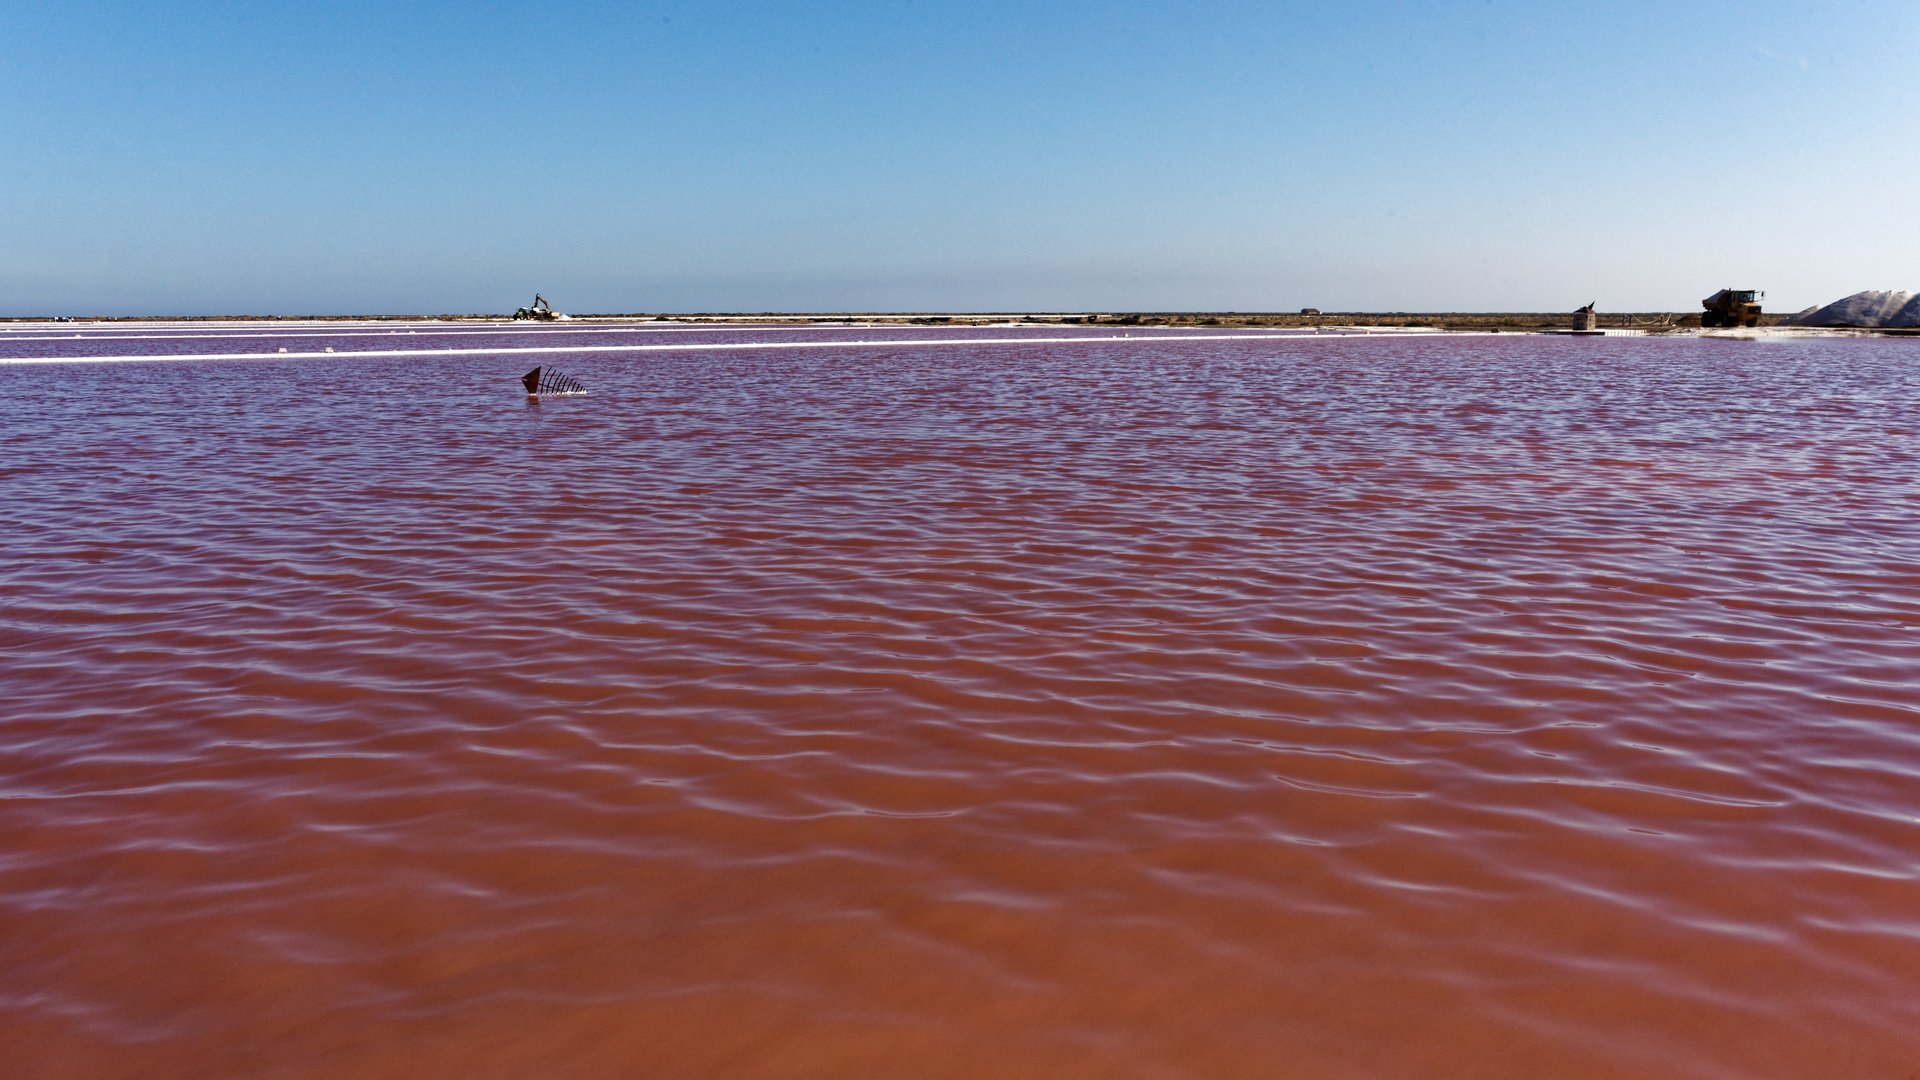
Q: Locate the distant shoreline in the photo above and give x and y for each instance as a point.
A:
(1423, 320)
(1653, 323)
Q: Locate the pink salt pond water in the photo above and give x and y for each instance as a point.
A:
(1248, 706)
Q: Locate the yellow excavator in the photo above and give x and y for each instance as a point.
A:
(1731, 307)
(540, 310)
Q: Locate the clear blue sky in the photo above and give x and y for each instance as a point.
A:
(433, 157)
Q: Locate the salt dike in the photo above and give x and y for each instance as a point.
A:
(1870, 308)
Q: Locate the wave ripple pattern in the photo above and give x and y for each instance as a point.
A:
(1398, 708)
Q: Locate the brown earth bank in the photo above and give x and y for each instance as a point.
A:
(1481, 321)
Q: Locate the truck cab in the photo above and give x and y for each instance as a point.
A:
(1732, 307)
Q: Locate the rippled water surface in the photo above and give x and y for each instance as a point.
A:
(1364, 707)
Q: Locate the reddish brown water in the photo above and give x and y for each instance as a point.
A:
(1396, 708)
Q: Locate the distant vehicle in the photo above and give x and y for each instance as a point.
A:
(1732, 307)
(540, 310)
(1309, 311)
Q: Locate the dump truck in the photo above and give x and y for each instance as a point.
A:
(1732, 307)
(540, 310)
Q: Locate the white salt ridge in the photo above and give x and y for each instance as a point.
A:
(1876, 308)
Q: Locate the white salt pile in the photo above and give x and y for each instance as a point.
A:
(1869, 308)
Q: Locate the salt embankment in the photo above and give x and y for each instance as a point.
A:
(1872, 308)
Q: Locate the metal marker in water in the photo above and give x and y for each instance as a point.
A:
(552, 383)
